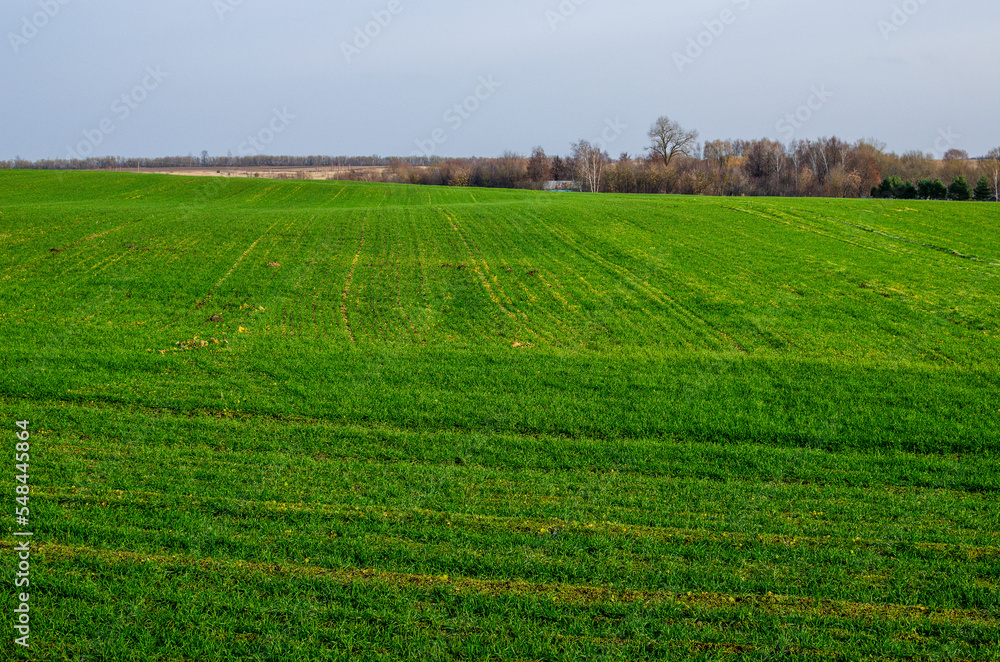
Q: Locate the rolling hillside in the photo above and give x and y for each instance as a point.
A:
(317, 420)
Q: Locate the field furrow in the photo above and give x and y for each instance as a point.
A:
(327, 420)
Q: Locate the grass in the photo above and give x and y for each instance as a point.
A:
(315, 420)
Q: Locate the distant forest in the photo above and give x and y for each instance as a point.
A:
(675, 163)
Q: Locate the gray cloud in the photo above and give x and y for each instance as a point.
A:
(567, 67)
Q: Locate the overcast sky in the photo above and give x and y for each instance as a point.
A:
(155, 78)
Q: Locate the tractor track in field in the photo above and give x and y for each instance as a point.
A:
(424, 275)
(686, 317)
(481, 271)
(567, 333)
(684, 536)
(33, 261)
(204, 301)
(571, 594)
(643, 648)
(786, 218)
(239, 260)
(774, 215)
(344, 297)
(396, 260)
(495, 291)
(939, 249)
(98, 235)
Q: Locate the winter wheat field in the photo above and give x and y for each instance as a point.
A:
(295, 420)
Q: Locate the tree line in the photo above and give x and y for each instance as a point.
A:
(192, 161)
(827, 167)
(675, 162)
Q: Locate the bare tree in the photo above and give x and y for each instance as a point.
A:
(993, 167)
(590, 163)
(720, 153)
(621, 177)
(669, 140)
(766, 165)
(560, 170)
(511, 170)
(864, 159)
(538, 166)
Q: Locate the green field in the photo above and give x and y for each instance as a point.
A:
(281, 420)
